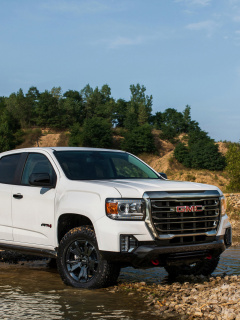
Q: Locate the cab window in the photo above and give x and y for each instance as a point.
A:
(8, 168)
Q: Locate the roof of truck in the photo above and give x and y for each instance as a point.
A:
(51, 149)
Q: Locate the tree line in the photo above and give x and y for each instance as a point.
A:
(91, 115)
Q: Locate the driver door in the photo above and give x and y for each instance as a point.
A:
(33, 206)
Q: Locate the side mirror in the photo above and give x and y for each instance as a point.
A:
(40, 180)
(163, 175)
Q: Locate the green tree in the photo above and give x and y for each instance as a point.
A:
(56, 92)
(131, 119)
(233, 167)
(139, 140)
(71, 109)
(98, 103)
(201, 153)
(7, 138)
(172, 122)
(205, 155)
(119, 112)
(181, 153)
(74, 95)
(32, 97)
(48, 113)
(139, 107)
(2, 105)
(75, 139)
(95, 133)
(33, 94)
(20, 108)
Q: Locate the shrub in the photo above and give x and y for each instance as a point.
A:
(201, 153)
(182, 154)
(233, 167)
(139, 140)
(96, 132)
(75, 139)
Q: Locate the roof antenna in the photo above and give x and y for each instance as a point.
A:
(37, 142)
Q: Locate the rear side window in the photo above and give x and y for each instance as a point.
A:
(8, 168)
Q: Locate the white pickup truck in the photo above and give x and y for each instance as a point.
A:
(98, 210)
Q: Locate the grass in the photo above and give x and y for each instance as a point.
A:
(190, 177)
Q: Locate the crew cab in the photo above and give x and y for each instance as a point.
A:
(98, 210)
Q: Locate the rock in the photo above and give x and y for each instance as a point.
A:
(198, 314)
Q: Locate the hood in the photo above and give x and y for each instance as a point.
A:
(135, 188)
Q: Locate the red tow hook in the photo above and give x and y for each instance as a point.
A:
(209, 257)
(155, 262)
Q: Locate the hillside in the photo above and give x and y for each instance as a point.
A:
(176, 171)
(163, 162)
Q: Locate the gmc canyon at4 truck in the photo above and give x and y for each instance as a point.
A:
(97, 210)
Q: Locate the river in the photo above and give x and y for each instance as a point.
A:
(34, 291)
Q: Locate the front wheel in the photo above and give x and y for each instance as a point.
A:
(204, 267)
(79, 261)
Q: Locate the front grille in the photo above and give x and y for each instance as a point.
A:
(196, 217)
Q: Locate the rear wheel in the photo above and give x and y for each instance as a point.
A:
(80, 263)
(204, 267)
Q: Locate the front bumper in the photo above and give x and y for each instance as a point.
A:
(146, 254)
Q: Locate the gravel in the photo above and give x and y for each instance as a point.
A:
(191, 298)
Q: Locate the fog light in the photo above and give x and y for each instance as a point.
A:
(127, 243)
(228, 237)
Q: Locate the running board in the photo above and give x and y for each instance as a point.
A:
(28, 250)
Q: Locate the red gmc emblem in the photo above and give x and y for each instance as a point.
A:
(190, 209)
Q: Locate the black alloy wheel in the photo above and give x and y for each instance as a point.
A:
(82, 260)
(80, 263)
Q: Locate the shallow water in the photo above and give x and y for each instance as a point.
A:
(229, 264)
(33, 291)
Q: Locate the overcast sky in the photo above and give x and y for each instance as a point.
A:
(182, 51)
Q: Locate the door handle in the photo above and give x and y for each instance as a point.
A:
(18, 196)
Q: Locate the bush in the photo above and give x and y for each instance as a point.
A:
(205, 155)
(233, 167)
(96, 133)
(181, 153)
(168, 133)
(8, 140)
(139, 140)
(201, 153)
(75, 139)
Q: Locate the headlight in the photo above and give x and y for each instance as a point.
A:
(223, 205)
(125, 209)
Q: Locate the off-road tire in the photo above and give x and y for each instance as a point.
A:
(205, 267)
(80, 263)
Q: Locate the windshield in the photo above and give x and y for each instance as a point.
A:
(98, 165)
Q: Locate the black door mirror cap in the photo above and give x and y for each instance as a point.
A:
(41, 180)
